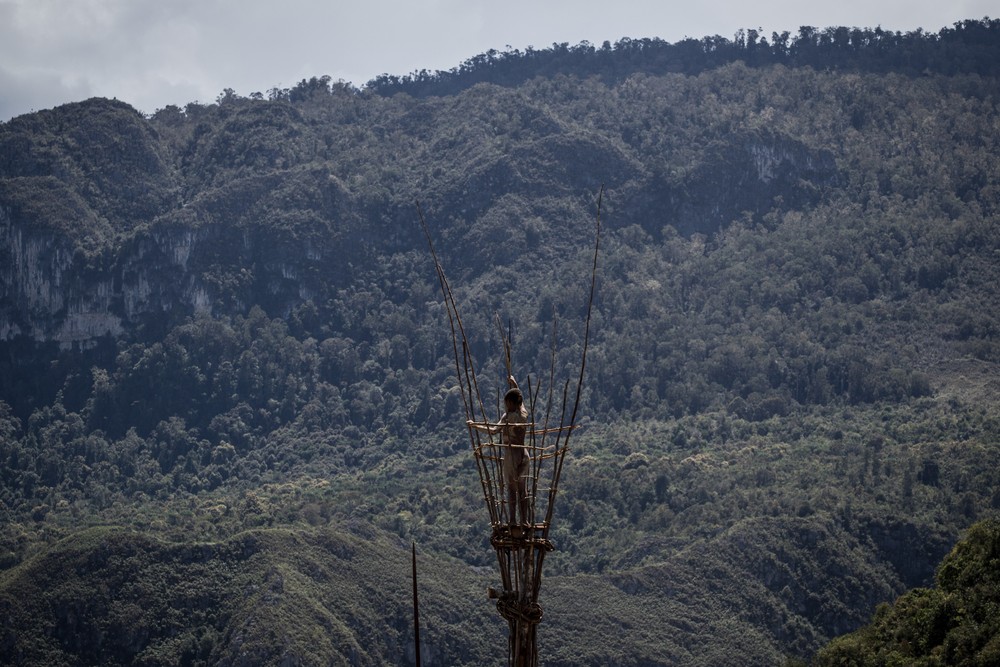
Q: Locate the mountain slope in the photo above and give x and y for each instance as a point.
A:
(267, 596)
(222, 321)
(954, 623)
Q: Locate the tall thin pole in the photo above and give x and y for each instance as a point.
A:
(416, 608)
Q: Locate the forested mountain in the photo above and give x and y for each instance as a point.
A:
(227, 394)
(954, 623)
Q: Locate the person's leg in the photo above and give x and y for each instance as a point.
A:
(512, 501)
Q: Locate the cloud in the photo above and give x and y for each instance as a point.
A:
(24, 93)
(152, 53)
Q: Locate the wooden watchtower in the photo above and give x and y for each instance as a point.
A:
(520, 533)
(519, 522)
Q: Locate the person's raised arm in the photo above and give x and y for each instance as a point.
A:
(482, 426)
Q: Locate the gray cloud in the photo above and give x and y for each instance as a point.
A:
(152, 53)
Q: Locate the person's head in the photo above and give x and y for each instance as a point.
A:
(513, 399)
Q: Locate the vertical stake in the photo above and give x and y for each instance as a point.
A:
(416, 608)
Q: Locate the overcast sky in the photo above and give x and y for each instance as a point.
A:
(151, 53)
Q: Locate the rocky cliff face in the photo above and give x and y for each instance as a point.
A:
(50, 291)
(753, 172)
(104, 230)
(75, 183)
(108, 225)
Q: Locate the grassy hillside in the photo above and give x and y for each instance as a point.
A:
(264, 596)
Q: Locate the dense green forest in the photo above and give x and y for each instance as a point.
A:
(227, 393)
(966, 47)
(954, 623)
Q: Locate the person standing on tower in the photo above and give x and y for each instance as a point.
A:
(512, 427)
(515, 456)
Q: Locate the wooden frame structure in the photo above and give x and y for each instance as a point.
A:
(520, 546)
